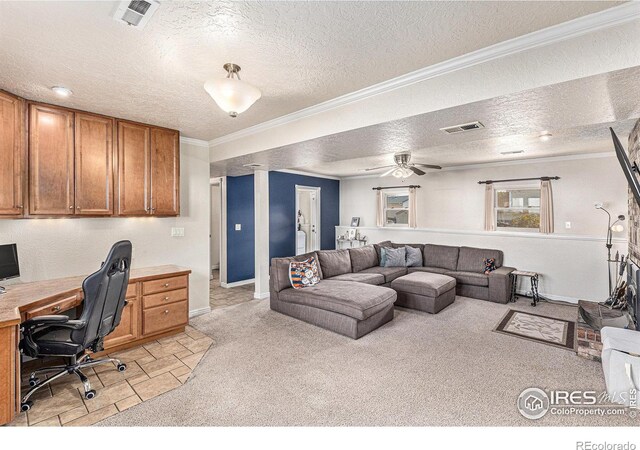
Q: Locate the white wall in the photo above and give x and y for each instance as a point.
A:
(451, 212)
(54, 248)
(215, 226)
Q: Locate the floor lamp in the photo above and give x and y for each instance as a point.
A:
(611, 228)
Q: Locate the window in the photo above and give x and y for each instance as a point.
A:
(396, 208)
(518, 209)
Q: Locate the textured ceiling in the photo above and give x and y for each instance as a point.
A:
(298, 53)
(576, 112)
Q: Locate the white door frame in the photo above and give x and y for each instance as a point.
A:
(315, 221)
(222, 181)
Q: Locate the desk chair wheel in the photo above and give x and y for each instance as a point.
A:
(33, 382)
(90, 394)
(122, 367)
(26, 406)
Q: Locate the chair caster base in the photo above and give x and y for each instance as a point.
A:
(33, 382)
(122, 367)
(90, 394)
(26, 406)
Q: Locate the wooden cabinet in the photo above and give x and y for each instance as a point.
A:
(51, 178)
(148, 170)
(93, 165)
(129, 328)
(12, 165)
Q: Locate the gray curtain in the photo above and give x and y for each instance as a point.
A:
(546, 207)
(413, 206)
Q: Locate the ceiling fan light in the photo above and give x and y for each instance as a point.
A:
(232, 95)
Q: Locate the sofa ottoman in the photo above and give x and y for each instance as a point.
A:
(430, 292)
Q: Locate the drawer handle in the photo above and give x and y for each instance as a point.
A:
(166, 311)
(56, 308)
(166, 298)
(166, 285)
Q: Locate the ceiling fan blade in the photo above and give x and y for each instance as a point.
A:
(429, 166)
(378, 168)
(388, 172)
(416, 170)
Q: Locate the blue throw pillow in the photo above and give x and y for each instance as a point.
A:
(395, 257)
(383, 256)
(414, 257)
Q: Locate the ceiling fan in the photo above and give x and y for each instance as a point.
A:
(403, 167)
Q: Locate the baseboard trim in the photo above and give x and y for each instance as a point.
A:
(261, 296)
(237, 283)
(199, 312)
(559, 298)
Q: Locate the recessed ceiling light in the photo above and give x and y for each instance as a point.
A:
(512, 152)
(62, 91)
(545, 136)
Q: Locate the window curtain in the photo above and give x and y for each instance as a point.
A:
(413, 207)
(379, 209)
(489, 208)
(546, 207)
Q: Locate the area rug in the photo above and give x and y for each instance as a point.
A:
(548, 330)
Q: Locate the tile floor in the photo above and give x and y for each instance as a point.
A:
(152, 369)
(220, 297)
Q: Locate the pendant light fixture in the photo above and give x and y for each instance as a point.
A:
(232, 95)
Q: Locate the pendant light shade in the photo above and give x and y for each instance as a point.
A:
(231, 94)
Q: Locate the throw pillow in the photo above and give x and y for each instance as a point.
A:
(489, 265)
(304, 273)
(395, 257)
(414, 257)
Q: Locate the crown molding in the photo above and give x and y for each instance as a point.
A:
(192, 141)
(617, 15)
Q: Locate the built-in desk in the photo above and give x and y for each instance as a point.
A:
(158, 305)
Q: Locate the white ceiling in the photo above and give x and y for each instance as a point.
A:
(298, 53)
(576, 112)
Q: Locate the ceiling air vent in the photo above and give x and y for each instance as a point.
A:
(253, 165)
(462, 128)
(136, 13)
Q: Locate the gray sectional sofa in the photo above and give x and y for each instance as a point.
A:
(355, 295)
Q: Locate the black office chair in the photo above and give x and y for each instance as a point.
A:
(104, 293)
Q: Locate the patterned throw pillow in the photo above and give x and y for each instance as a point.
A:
(489, 265)
(303, 274)
(395, 257)
(414, 256)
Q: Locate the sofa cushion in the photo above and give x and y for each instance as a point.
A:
(279, 275)
(369, 278)
(393, 257)
(442, 256)
(439, 270)
(379, 245)
(390, 273)
(357, 300)
(470, 278)
(334, 262)
(424, 283)
(363, 258)
(414, 256)
(418, 246)
(472, 259)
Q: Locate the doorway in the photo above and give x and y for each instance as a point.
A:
(307, 219)
(215, 234)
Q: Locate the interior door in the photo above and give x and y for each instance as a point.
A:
(51, 183)
(165, 172)
(133, 169)
(11, 154)
(94, 165)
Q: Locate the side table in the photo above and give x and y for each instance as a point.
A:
(533, 278)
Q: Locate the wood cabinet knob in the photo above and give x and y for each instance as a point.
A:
(166, 285)
(56, 308)
(77, 207)
(71, 207)
(166, 298)
(20, 206)
(166, 311)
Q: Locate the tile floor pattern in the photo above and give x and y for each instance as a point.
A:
(152, 369)
(220, 297)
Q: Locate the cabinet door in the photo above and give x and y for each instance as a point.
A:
(129, 328)
(133, 169)
(94, 165)
(51, 186)
(165, 172)
(11, 155)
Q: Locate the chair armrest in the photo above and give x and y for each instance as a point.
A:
(500, 284)
(42, 321)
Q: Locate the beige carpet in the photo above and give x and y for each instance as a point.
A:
(420, 369)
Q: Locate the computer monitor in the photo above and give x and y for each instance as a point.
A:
(9, 267)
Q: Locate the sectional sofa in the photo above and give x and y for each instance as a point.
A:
(354, 296)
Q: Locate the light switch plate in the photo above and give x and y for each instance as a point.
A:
(177, 232)
(567, 225)
(238, 227)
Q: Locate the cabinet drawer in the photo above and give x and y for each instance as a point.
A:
(164, 284)
(165, 317)
(163, 298)
(55, 307)
(132, 290)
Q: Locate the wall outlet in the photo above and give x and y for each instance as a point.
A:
(177, 232)
(567, 225)
(238, 227)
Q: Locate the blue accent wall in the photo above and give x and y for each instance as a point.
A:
(282, 211)
(240, 244)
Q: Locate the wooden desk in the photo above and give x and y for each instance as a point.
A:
(158, 305)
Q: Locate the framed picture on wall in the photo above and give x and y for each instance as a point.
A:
(355, 221)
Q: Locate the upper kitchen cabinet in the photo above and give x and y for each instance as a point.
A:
(12, 153)
(165, 172)
(51, 161)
